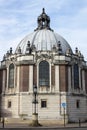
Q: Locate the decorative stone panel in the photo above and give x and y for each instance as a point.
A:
(53, 75)
(24, 78)
(86, 80)
(63, 78)
(16, 77)
(34, 74)
(4, 79)
(1, 74)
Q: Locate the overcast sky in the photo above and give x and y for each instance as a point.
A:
(19, 18)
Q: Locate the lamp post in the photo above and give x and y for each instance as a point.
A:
(35, 100)
(35, 114)
(64, 117)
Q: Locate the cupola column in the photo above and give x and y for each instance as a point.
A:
(83, 80)
(80, 84)
(7, 79)
(69, 78)
(18, 79)
(57, 78)
(31, 78)
(4, 81)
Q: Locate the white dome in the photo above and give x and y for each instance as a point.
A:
(44, 40)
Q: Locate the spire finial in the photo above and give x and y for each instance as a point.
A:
(43, 10)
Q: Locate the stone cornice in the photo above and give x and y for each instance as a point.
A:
(24, 63)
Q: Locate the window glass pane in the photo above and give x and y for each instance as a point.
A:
(11, 75)
(44, 73)
(76, 76)
(78, 104)
(9, 104)
(43, 103)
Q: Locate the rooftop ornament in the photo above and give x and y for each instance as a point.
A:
(10, 50)
(19, 50)
(28, 48)
(59, 48)
(43, 21)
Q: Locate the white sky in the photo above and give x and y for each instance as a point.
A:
(19, 18)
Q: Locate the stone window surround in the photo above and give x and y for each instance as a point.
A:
(43, 103)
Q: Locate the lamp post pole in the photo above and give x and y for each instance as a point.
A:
(64, 117)
(64, 109)
(35, 114)
(35, 102)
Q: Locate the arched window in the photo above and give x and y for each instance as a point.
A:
(44, 73)
(76, 76)
(11, 76)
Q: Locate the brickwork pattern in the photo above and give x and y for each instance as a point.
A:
(63, 71)
(24, 78)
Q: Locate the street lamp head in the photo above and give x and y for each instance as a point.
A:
(35, 89)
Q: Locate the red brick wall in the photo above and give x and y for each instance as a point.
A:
(1, 79)
(53, 75)
(1, 74)
(86, 80)
(5, 78)
(24, 78)
(16, 76)
(35, 74)
(63, 78)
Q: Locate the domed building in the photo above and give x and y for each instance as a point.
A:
(45, 60)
